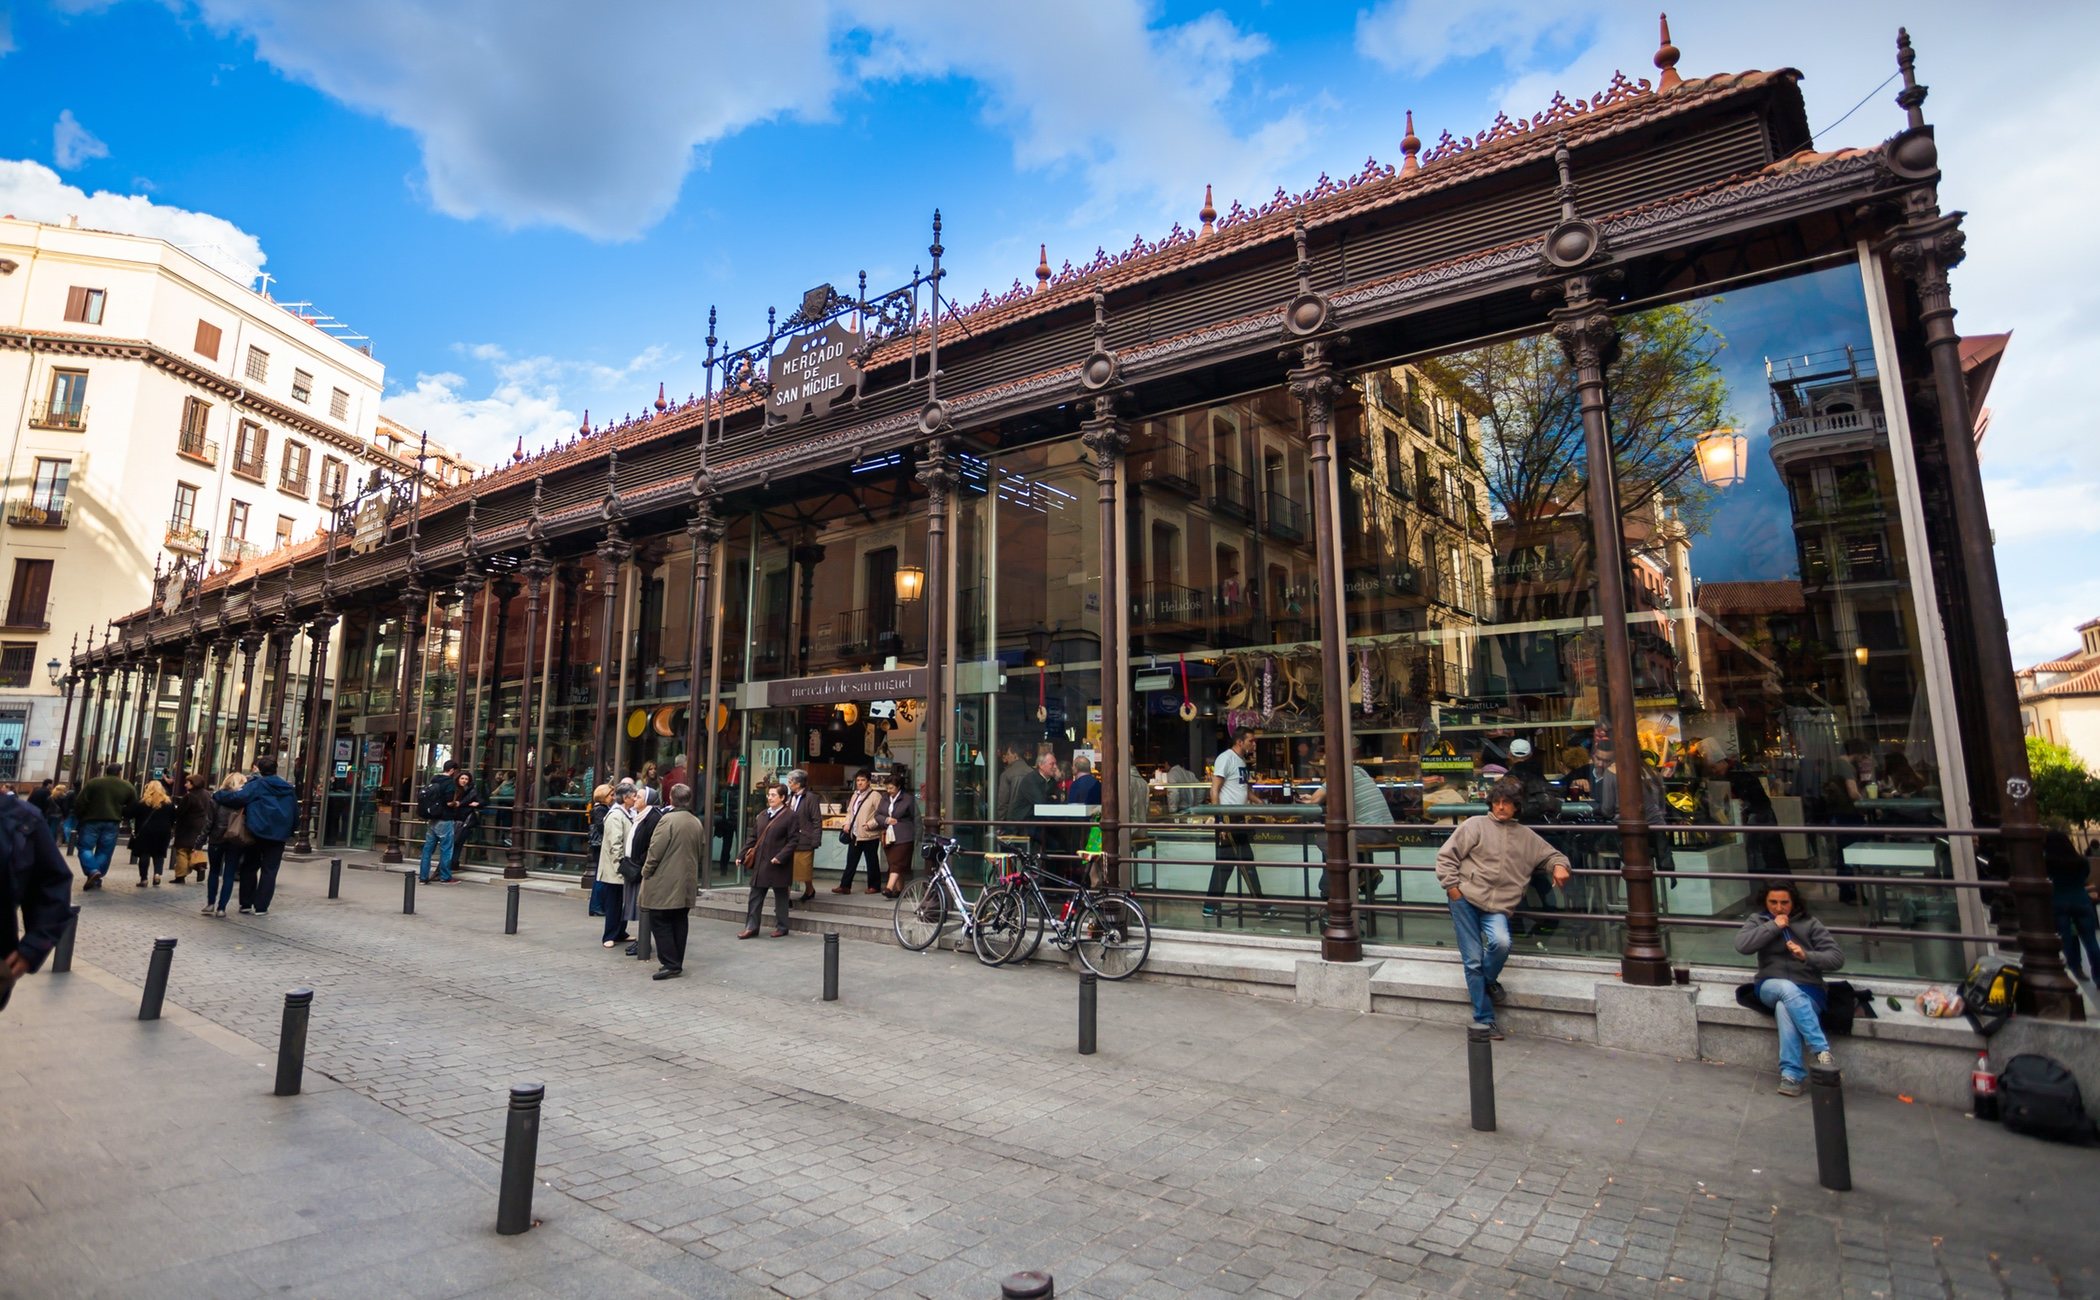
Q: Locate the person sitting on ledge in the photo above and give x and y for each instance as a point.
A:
(1793, 952)
(1484, 868)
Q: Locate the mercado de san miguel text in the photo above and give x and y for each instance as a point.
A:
(1640, 427)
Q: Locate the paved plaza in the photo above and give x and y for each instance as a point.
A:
(931, 1132)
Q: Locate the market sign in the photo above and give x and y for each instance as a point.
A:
(813, 371)
(892, 684)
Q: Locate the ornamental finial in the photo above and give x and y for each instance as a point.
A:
(1911, 99)
(1042, 267)
(661, 404)
(1410, 145)
(1209, 215)
(1666, 59)
(584, 430)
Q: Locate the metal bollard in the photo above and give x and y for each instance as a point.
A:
(644, 941)
(157, 978)
(1028, 1286)
(1087, 993)
(1826, 1104)
(831, 966)
(408, 893)
(510, 910)
(521, 1153)
(335, 877)
(291, 1041)
(1480, 1076)
(62, 955)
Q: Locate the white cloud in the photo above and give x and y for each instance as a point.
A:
(2029, 512)
(1418, 36)
(73, 144)
(7, 34)
(528, 116)
(538, 399)
(35, 192)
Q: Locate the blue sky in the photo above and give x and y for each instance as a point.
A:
(529, 205)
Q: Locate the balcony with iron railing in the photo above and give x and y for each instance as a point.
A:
(184, 535)
(1231, 493)
(1169, 464)
(192, 443)
(250, 468)
(292, 483)
(27, 615)
(58, 415)
(1849, 425)
(1396, 482)
(1283, 518)
(233, 550)
(40, 512)
(1168, 607)
(868, 631)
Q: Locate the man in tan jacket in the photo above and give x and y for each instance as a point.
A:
(1484, 868)
(671, 880)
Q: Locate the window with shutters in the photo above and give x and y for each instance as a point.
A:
(185, 515)
(284, 531)
(28, 598)
(333, 473)
(292, 478)
(84, 306)
(65, 406)
(339, 405)
(237, 521)
(302, 386)
(249, 448)
(207, 340)
(190, 440)
(258, 364)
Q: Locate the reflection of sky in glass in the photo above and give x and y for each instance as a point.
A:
(1750, 529)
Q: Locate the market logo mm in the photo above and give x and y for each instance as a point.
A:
(812, 372)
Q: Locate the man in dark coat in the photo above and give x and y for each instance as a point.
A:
(809, 832)
(272, 809)
(438, 805)
(36, 893)
(771, 859)
(671, 878)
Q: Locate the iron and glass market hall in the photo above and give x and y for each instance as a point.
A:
(1634, 432)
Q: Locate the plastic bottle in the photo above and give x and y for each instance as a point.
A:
(1983, 1088)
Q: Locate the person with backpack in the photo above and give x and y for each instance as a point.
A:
(438, 806)
(1793, 953)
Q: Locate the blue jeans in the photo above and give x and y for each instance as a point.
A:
(1483, 944)
(2076, 926)
(1799, 1012)
(218, 882)
(98, 843)
(439, 836)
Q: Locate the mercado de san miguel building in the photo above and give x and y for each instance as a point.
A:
(1642, 418)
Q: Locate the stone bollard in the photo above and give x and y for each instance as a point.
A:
(831, 966)
(1088, 990)
(510, 910)
(521, 1151)
(157, 978)
(62, 955)
(408, 893)
(1826, 1102)
(335, 877)
(291, 1042)
(1480, 1077)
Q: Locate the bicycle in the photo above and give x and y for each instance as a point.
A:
(1109, 930)
(921, 912)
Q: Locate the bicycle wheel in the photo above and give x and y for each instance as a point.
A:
(1001, 925)
(1032, 922)
(920, 915)
(1114, 937)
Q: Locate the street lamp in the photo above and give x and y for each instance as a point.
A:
(1723, 456)
(1859, 655)
(911, 583)
(54, 668)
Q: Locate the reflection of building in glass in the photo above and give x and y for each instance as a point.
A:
(2060, 698)
(1830, 445)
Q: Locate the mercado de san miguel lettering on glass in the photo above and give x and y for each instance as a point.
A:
(1640, 423)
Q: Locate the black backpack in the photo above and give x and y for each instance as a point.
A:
(2039, 1097)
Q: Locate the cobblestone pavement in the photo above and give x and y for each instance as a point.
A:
(934, 1131)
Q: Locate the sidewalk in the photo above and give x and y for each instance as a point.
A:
(151, 1160)
(933, 1130)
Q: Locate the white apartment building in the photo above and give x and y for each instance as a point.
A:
(158, 412)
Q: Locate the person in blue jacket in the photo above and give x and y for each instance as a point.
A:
(271, 808)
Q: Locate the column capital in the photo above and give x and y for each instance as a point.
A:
(1587, 334)
(706, 526)
(937, 474)
(1105, 433)
(1313, 381)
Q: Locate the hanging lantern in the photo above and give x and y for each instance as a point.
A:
(911, 583)
(1723, 457)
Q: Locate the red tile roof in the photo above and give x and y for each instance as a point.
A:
(1736, 598)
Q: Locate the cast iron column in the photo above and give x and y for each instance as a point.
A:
(806, 557)
(1106, 437)
(273, 724)
(237, 743)
(937, 476)
(705, 531)
(605, 737)
(1924, 248)
(505, 590)
(1587, 335)
(117, 722)
(65, 724)
(314, 769)
(534, 574)
(405, 715)
(469, 598)
(141, 737)
(85, 679)
(1314, 384)
(208, 753)
(93, 749)
(192, 669)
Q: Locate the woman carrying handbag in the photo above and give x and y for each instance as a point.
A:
(900, 835)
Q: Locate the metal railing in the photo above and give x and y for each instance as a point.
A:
(251, 468)
(862, 631)
(292, 483)
(1285, 517)
(58, 415)
(193, 444)
(27, 615)
(35, 512)
(1230, 493)
(233, 550)
(1166, 606)
(1170, 464)
(184, 535)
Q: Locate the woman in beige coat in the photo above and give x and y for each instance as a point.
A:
(619, 826)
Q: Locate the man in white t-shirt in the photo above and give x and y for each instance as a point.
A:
(1231, 785)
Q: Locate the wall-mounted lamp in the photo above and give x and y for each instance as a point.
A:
(1723, 457)
(1859, 655)
(54, 668)
(1039, 647)
(911, 583)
